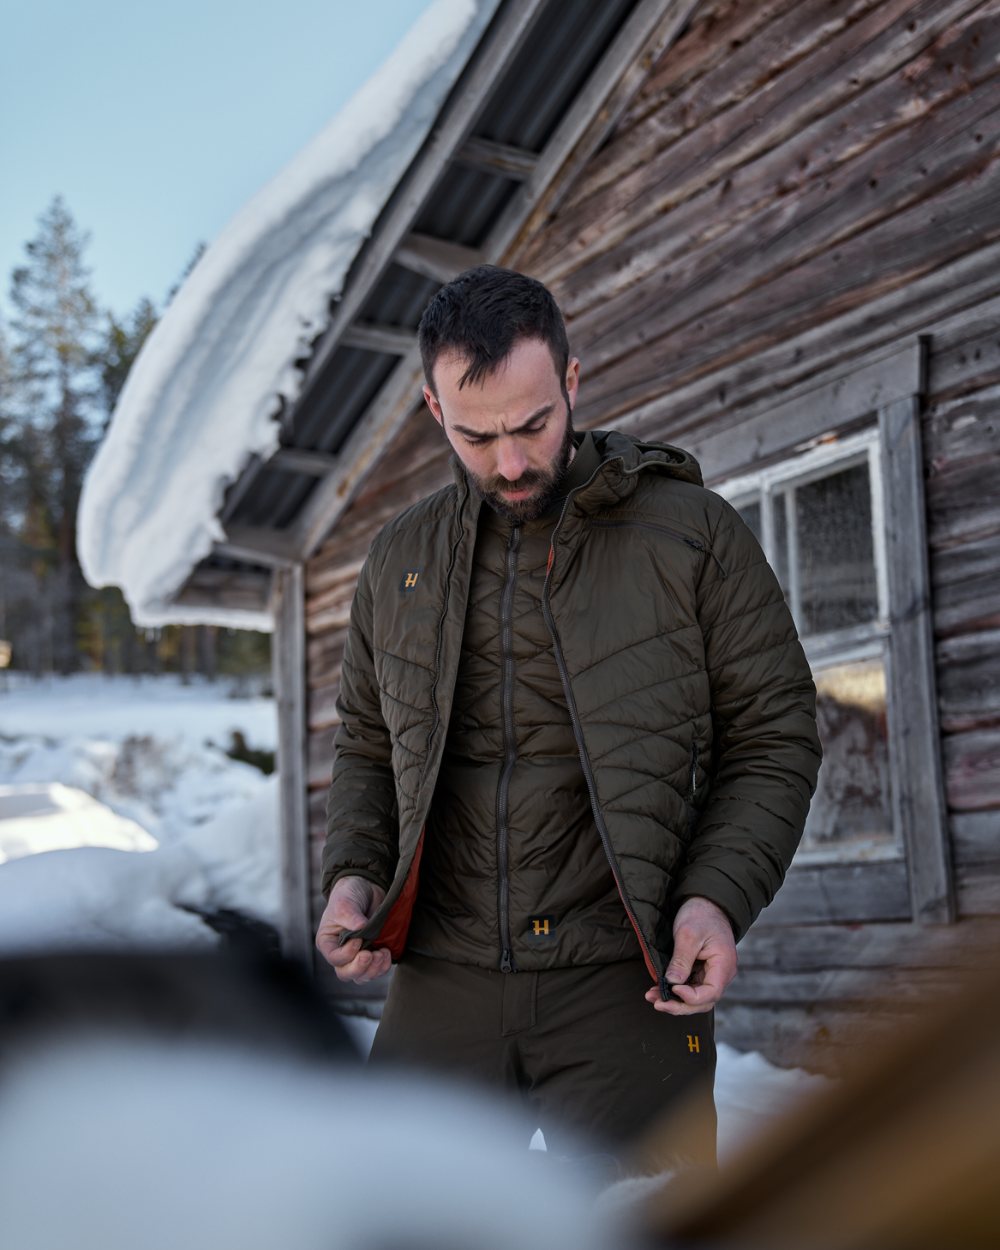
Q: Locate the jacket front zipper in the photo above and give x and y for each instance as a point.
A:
(509, 745)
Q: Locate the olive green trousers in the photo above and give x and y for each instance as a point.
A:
(598, 1068)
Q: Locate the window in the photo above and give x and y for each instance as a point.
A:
(818, 517)
(831, 481)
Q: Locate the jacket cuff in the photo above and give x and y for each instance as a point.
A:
(330, 880)
(703, 881)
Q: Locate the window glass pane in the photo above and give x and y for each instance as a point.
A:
(749, 510)
(834, 551)
(851, 811)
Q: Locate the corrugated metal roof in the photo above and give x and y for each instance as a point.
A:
(523, 109)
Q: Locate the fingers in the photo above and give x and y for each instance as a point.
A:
(349, 908)
(366, 966)
(350, 962)
(691, 1000)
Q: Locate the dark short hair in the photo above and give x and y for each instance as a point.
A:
(482, 313)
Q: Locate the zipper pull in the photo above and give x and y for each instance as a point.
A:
(506, 961)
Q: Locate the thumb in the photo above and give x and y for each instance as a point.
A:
(682, 960)
(349, 918)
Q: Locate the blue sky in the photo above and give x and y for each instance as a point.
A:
(156, 122)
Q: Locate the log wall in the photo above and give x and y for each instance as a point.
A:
(800, 186)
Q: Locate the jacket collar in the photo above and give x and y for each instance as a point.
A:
(622, 460)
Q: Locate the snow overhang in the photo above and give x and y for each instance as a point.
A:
(203, 397)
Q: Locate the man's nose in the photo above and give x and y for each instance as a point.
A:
(511, 460)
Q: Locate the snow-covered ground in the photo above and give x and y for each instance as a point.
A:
(93, 769)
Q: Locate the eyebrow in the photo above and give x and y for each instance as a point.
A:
(546, 411)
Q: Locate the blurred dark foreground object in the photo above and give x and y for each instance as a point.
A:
(182, 1101)
(905, 1155)
(244, 997)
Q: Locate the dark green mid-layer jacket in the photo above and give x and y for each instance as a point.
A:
(692, 704)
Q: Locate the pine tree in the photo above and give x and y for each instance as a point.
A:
(53, 356)
(8, 541)
(108, 638)
(122, 342)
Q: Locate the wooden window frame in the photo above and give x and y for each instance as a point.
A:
(883, 395)
(869, 641)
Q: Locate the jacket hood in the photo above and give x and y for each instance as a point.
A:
(658, 457)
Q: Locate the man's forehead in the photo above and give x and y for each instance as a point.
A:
(529, 362)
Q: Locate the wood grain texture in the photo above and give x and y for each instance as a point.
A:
(914, 744)
(966, 581)
(969, 683)
(882, 945)
(869, 157)
(849, 893)
(972, 769)
(839, 64)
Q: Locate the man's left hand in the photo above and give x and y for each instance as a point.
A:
(704, 959)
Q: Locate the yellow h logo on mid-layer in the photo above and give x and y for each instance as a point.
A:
(541, 927)
(410, 580)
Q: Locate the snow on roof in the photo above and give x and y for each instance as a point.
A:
(202, 396)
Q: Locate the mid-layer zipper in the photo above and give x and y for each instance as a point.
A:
(588, 771)
(509, 745)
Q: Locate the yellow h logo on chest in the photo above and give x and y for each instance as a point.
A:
(540, 927)
(411, 580)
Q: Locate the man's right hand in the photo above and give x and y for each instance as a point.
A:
(353, 900)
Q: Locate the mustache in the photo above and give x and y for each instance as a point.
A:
(530, 477)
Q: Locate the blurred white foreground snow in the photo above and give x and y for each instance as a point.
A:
(106, 1145)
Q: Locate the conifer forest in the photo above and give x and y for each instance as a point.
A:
(63, 362)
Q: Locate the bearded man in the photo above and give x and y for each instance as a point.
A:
(576, 751)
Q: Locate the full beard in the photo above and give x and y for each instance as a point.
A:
(547, 483)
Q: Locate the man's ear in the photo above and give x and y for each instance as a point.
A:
(431, 401)
(572, 380)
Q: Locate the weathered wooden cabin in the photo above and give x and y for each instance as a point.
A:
(774, 227)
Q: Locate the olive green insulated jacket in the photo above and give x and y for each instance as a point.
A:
(692, 704)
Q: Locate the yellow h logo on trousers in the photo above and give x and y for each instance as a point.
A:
(694, 1045)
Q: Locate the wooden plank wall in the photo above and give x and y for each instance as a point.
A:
(801, 185)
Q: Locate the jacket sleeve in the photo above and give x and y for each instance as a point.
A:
(766, 751)
(362, 823)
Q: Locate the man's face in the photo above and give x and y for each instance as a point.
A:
(513, 430)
